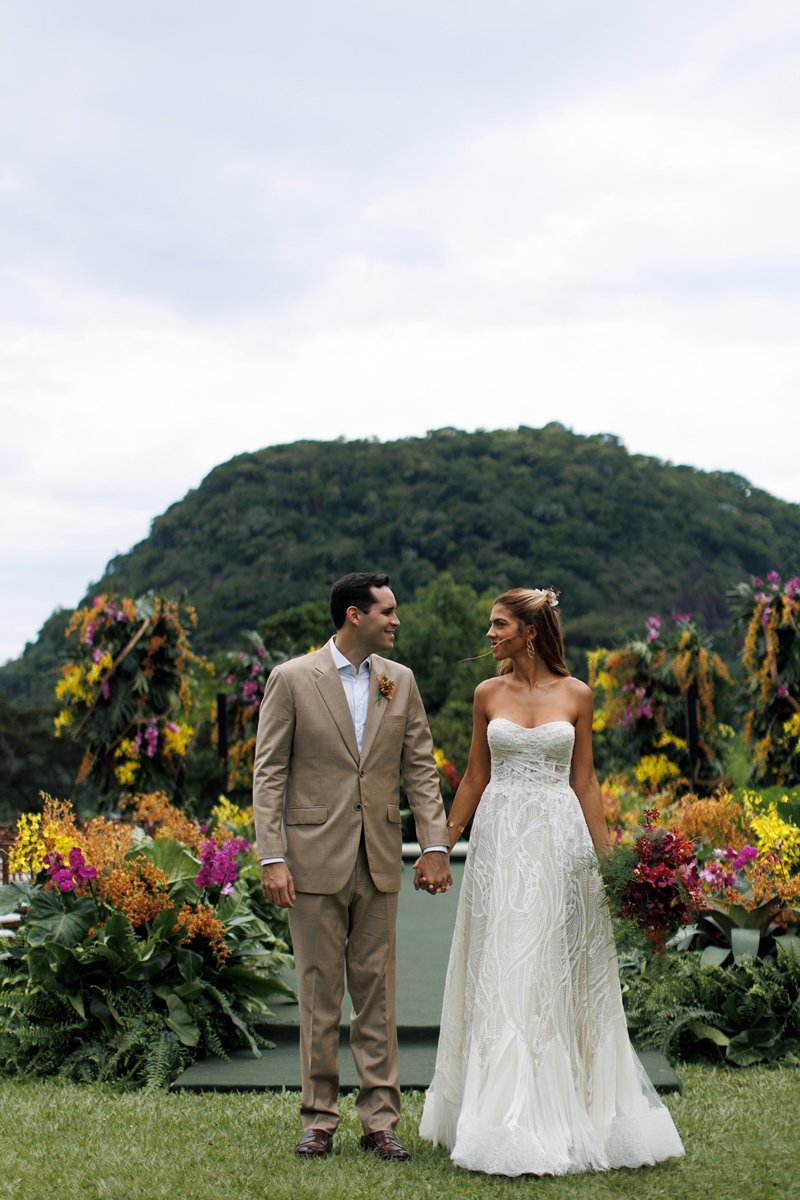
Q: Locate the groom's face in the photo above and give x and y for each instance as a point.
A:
(377, 627)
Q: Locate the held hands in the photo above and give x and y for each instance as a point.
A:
(277, 884)
(432, 872)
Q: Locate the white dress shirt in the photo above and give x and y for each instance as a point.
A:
(355, 682)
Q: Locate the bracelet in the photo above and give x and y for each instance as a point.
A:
(452, 825)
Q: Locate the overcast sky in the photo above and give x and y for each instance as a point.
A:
(230, 225)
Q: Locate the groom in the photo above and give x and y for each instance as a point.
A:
(336, 728)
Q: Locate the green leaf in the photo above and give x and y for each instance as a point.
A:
(714, 956)
(12, 895)
(789, 942)
(190, 964)
(709, 1033)
(150, 967)
(744, 943)
(48, 922)
(180, 1022)
(753, 1045)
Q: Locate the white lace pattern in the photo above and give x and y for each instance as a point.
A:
(535, 1072)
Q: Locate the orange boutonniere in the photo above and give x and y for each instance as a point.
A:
(385, 688)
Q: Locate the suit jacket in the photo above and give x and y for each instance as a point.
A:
(313, 793)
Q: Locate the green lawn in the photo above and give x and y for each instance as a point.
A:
(84, 1142)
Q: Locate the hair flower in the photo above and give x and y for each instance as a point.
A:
(550, 594)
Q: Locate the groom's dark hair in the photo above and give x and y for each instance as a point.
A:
(355, 588)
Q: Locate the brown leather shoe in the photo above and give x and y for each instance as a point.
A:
(315, 1143)
(385, 1145)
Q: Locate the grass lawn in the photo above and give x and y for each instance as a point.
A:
(80, 1143)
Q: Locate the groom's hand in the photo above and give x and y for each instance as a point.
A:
(432, 872)
(277, 884)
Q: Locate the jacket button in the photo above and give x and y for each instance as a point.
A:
(362, 772)
(357, 807)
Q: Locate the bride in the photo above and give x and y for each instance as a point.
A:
(534, 1070)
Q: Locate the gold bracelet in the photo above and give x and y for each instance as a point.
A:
(452, 825)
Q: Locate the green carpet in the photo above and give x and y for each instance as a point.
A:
(424, 930)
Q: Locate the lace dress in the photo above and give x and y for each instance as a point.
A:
(534, 1070)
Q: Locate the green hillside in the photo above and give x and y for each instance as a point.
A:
(620, 534)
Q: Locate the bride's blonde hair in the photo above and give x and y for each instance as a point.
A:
(537, 607)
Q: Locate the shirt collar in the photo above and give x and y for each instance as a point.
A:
(339, 660)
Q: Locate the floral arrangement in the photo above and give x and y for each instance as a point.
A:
(640, 700)
(140, 946)
(245, 672)
(768, 611)
(386, 688)
(749, 853)
(653, 883)
(126, 690)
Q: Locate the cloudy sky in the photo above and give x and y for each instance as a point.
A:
(230, 225)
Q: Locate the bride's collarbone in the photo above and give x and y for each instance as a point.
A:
(522, 723)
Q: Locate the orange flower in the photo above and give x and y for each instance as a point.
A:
(160, 818)
(106, 842)
(138, 888)
(199, 922)
(716, 820)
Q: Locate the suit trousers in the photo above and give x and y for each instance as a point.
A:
(352, 931)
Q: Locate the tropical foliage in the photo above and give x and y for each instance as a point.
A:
(139, 947)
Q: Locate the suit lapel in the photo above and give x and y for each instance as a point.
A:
(330, 688)
(376, 708)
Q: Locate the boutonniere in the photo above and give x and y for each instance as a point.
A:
(385, 688)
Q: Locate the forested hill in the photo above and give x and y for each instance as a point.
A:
(621, 535)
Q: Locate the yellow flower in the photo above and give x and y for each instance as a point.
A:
(439, 757)
(28, 851)
(128, 766)
(669, 739)
(176, 738)
(62, 720)
(225, 812)
(778, 837)
(652, 769)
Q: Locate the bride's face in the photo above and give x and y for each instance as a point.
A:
(505, 633)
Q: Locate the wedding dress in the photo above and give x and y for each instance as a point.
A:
(534, 1070)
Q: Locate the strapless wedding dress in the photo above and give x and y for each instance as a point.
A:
(534, 1070)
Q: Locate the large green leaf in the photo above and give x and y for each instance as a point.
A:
(180, 1022)
(48, 921)
(190, 963)
(745, 942)
(714, 956)
(12, 895)
(709, 1033)
(754, 1045)
(150, 967)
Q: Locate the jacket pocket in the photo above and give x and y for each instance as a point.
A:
(393, 814)
(311, 815)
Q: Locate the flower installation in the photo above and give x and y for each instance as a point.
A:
(654, 882)
(139, 947)
(126, 691)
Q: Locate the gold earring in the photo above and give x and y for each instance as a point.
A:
(530, 648)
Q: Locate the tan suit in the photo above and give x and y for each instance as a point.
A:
(334, 815)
